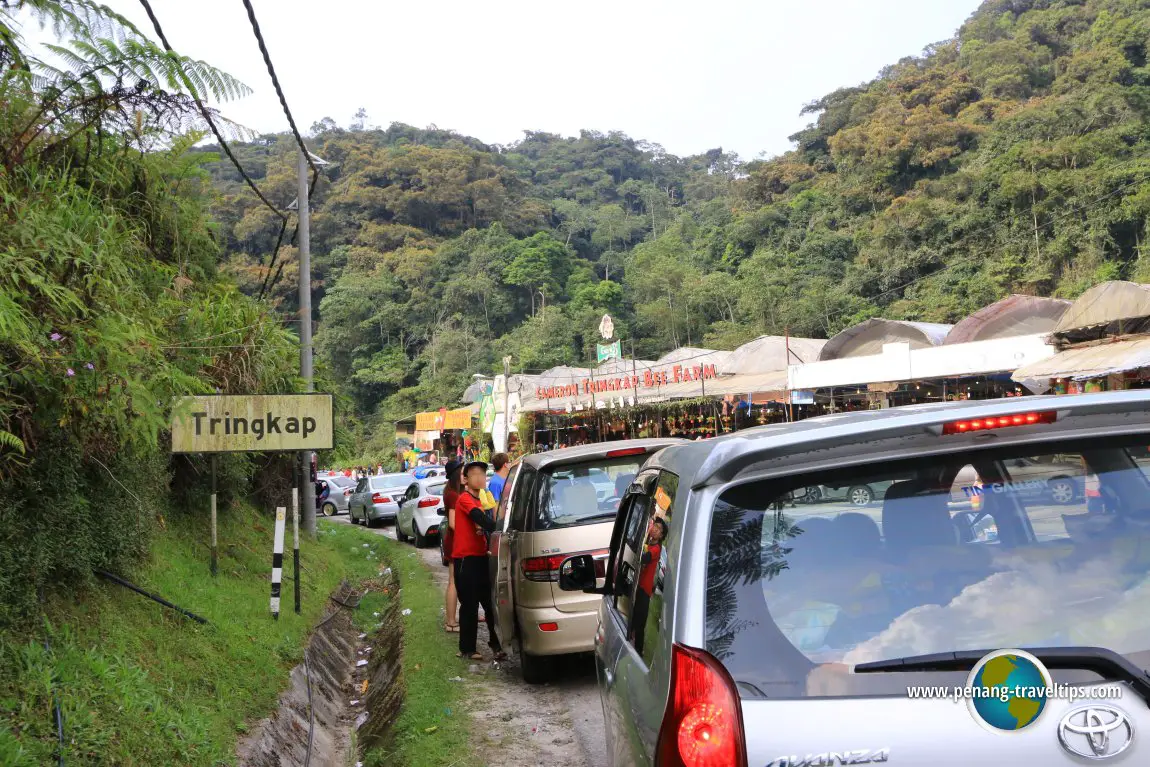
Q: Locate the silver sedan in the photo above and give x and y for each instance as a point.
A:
(376, 498)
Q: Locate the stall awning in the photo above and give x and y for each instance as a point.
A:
(1090, 361)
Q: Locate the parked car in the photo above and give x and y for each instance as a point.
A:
(789, 634)
(376, 498)
(340, 489)
(856, 494)
(552, 507)
(421, 511)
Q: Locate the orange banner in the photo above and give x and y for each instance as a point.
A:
(443, 419)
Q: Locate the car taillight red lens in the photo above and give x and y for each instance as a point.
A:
(626, 451)
(427, 503)
(998, 422)
(378, 498)
(703, 724)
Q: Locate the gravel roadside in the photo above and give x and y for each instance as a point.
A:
(522, 724)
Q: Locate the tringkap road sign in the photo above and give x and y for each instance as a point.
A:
(252, 423)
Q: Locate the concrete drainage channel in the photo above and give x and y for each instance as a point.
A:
(346, 694)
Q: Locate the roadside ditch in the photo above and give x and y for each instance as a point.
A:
(347, 693)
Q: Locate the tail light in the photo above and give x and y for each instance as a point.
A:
(626, 451)
(703, 724)
(427, 503)
(347, 493)
(379, 498)
(998, 422)
(545, 569)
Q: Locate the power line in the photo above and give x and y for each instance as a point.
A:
(207, 115)
(276, 83)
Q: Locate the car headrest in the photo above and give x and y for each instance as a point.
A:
(575, 498)
(622, 482)
(914, 515)
(857, 534)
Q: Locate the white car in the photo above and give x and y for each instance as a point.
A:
(421, 510)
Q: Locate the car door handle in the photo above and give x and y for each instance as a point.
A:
(608, 678)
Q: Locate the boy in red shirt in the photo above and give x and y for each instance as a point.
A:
(469, 557)
(656, 534)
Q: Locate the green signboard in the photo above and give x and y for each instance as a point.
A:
(611, 351)
(487, 414)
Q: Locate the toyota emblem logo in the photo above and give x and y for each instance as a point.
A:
(1096, 732)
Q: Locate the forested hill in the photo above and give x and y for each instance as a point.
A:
(1012, 158)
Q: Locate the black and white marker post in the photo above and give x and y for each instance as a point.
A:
(278, 560)
(215, 551)
(295, 530)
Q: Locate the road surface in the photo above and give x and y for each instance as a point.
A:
(517, 723)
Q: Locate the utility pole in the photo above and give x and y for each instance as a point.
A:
(506, 400)
(305, 350)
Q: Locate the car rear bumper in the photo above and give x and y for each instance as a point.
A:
(429, 523)
(383, 511)
(575, 632)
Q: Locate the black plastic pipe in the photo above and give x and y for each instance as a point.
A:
(154, 597)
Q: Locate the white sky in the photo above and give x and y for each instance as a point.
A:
(688, 74)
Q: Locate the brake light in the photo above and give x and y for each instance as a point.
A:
(427, 503)
(999, 422)
(548, 626)
(544, 569)
(626, 451)
(378, 498)
(347, 493)
(703, 723)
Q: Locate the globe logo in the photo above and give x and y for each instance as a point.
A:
(1008, 690)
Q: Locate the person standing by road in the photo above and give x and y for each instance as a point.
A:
(450, 498)
(501, 463)
(469, 556)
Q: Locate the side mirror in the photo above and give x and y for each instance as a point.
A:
(577, 573)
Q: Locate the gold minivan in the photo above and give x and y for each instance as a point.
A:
(554, 505)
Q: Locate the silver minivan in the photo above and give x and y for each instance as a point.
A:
(738, 627)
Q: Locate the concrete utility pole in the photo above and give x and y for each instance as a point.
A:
(506, 398)
(305, 350)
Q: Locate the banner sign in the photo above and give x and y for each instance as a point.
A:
(649, 379)
(443, 420)
(609, 351)
(487, 414)
(252, 423)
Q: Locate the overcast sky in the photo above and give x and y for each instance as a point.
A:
(688, 74)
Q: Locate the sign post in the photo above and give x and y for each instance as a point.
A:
(256, 423)
(215, 550)
(299, 475)
(278, 560)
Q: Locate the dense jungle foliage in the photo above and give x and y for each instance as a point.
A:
(111, 300)
(1012, 158)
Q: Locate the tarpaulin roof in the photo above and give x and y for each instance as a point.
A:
(476, 390)
(623, 367)
(769, 353)
(1112, 308)
(869, 336)
(1014, 315)
(1090, 361)
(693, 356)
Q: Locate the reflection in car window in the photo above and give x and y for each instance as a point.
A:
(505, 497)
(436, 489)
(1027, 550)
(627, 562)
(647, 618)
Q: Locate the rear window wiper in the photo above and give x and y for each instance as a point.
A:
(1105, 663)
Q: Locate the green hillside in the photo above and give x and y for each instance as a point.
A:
(1012, 158)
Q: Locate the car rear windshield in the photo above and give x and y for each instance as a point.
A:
(390, 480)
(341, 481)
(437, 489)
(1032, 547)
(584, 493)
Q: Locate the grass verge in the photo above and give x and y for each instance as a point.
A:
(140, 685)
(432, 730)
